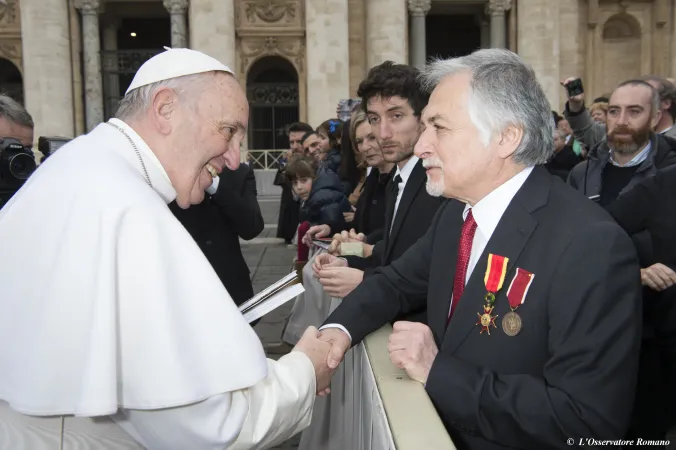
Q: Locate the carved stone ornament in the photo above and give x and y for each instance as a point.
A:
(176, 6)
(88, 6)
(292, 48)
(270, 11)
(8, 12)
(419, 7)
(498, 7)
(11, 51)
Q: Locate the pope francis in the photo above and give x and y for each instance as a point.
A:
(116, 333)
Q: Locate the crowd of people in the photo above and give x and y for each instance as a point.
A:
(524, 258)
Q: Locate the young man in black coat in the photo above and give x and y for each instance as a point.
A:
(393, 102)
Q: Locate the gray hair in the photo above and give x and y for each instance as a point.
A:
(14, 112)
(187, 88)
(505, 92)
(559, 133)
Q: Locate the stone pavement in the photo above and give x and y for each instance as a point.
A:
(269, 259)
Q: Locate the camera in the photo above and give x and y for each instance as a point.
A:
(575, 87)
(17, 163)
(48, 145)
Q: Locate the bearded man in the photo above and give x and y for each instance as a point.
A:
(631, 152)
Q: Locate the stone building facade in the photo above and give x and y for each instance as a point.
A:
(66, 60)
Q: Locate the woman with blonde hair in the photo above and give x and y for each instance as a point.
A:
(599, 112)
(369, 216)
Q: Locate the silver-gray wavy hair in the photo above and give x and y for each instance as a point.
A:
(186, 87)
(505, 92)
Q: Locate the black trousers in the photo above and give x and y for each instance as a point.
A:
(652, 415)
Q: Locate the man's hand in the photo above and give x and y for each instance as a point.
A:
(317, 231)
(658, 277)
(340, 343)
(413, 349)
(344, 236)
(339, 281)
(576, 102)
(318, 352)
(324, 260)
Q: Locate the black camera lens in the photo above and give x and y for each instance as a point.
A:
(21, 166)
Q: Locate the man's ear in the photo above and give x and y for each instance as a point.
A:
(164, 106)
(509, 141)
(656, 119)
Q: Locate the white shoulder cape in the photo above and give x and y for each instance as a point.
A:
(106, 301)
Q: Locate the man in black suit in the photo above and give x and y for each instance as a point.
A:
(506, 257)
(393, 102)
(229, 212)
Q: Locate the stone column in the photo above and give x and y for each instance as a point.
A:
(76, 67)
(112, 83)
(497, 9)
(418, 10)
(481, 20)
(328, 59)
(541, 18)
(212, 29)
(92, 62)
(386, 32)
(47, 74)
(179, 34)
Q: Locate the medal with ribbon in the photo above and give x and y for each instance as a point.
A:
(494, 278)
(511, 323)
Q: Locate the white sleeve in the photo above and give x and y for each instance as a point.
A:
(261, 416)
(339, 326)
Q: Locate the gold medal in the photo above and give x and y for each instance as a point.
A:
(511, 323)
(486, 320)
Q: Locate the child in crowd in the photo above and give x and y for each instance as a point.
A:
(330, 134)
(321, 195)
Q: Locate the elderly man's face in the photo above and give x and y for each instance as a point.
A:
(456, 159)
(630, 119)
(564, 126)
(394, 125)
(12, 130)
(209, 137)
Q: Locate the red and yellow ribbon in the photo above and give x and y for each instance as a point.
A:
(495, 272)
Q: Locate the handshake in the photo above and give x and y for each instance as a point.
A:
(411, 347)
(325, 349)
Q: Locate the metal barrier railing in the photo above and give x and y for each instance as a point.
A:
(266, 159)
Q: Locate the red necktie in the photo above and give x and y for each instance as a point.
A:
(464, 251)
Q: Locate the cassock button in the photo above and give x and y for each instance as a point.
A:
(208, 242)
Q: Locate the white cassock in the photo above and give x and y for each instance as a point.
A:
(115, 330)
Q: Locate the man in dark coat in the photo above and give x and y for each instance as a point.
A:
(533, 329)
(226, 214)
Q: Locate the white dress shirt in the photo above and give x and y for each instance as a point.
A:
(405, 174)
(487, 214)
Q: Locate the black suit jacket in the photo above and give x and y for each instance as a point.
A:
(414, 215)
(571, 371)
(219, 221)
